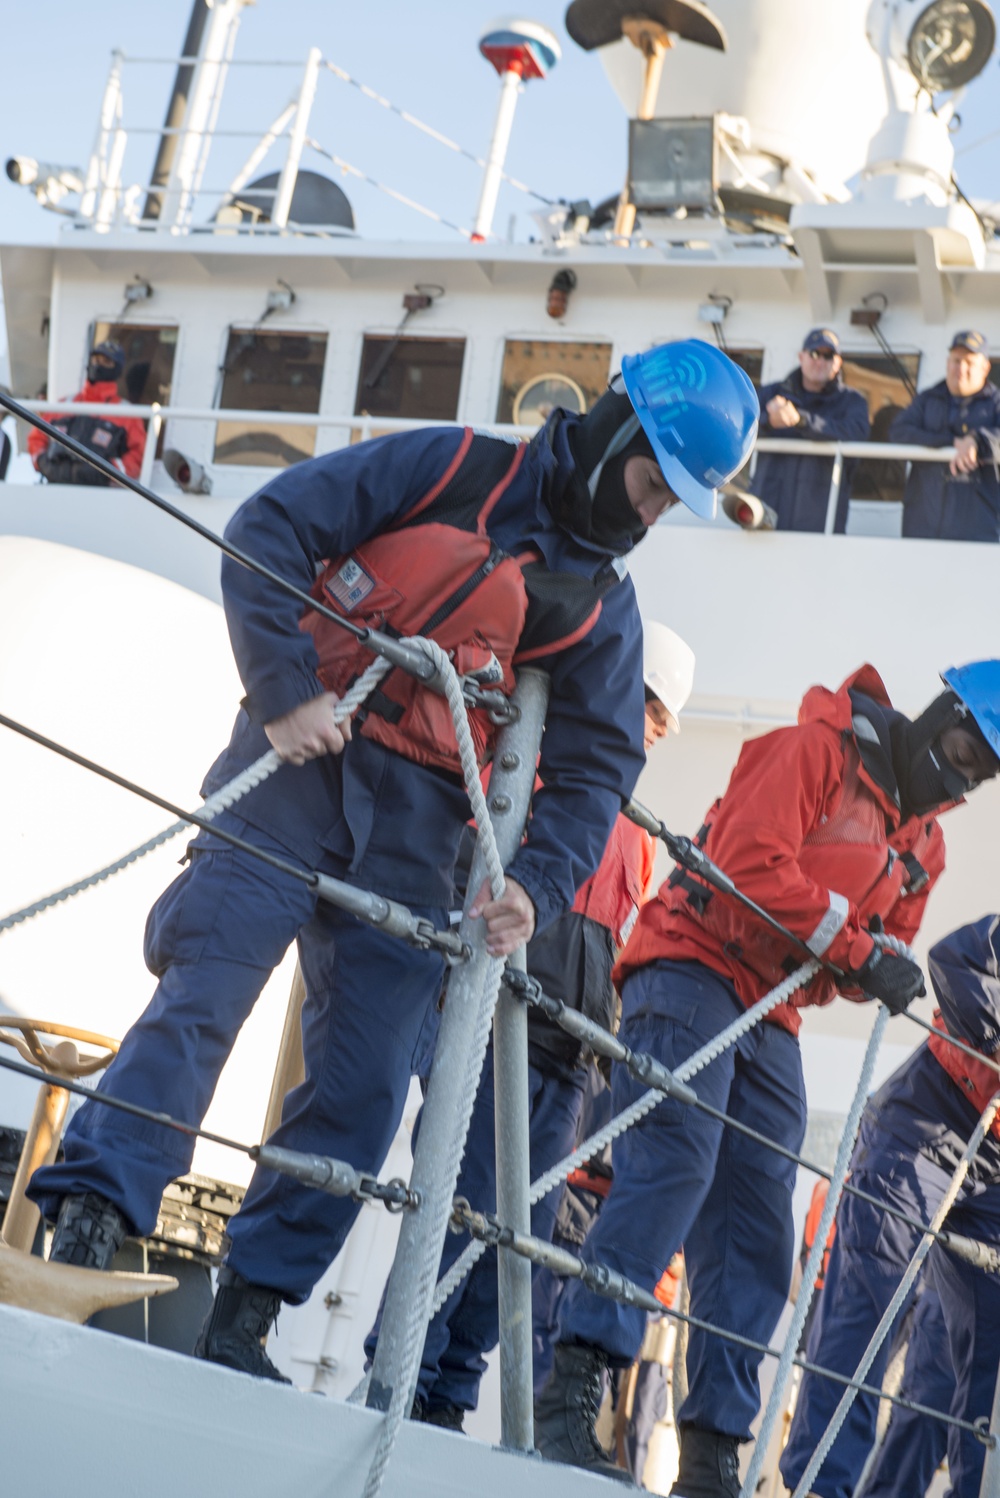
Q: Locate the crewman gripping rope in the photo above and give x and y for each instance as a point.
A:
(827, 825)
(504, 554)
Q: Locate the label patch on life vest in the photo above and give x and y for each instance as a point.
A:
(350, 584)
(101, 437)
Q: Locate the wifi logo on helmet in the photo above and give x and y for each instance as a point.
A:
(676, 379)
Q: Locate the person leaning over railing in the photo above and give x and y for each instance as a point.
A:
(826, 825)
(912, 1136)
(959, 501)
(501, 552)
(814, 404)
(119, 439)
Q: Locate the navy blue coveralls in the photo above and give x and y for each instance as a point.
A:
(937, 506)
(912, 1135)
(914, 1446)
(572, 960)
(369, 816)
(798, 488)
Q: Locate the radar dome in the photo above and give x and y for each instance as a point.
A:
(315, 201)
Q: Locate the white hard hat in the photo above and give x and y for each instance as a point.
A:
(667, 668)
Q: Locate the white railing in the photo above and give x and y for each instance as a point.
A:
(367, 425)
(903, 452)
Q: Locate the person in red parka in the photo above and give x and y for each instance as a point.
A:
(119, 439)
(826, 825)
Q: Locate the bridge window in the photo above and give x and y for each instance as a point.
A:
(412, 377)
(539, 375)
(881, 382)
(149, 359)
(265, 371)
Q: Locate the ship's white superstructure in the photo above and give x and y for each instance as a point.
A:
(116, 642)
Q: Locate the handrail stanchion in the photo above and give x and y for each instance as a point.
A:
(831, 503)
(510, 1079)
(409, 1293)
(991, 1467)
(149, 450)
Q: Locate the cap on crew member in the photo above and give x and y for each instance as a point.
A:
(821, 338)
(971, 340)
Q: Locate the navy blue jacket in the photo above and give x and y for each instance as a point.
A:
(392, 824)
(798, 488)
(924, 1103)
(935, 505)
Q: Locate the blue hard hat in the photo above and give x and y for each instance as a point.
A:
(699, 411)
(978, 686)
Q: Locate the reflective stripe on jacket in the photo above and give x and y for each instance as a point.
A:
(806, 832)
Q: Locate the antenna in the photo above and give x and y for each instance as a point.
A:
(653, 26)
(519, 50)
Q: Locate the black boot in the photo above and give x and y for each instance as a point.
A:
(566, 1411)
(709, 1465)
(447, 1416)
(239, 1321)
(88, 1233)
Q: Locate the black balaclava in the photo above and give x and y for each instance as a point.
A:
(926, 779)
(594, 504)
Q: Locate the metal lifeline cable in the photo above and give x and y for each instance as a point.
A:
(902, 1291)
(319, 1170)
(407, 655)
(428, 130)
(222, 799)
(390, 916)
(558, 1173)
(612, 1285)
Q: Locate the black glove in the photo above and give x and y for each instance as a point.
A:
(895, 980)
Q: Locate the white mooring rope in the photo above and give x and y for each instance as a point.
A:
(227, 796)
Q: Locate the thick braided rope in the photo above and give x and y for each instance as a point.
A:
(898, 1300)
(708, 1053)
(629, 1116)
(227, 796)
(776, 1402)
(438, 1207)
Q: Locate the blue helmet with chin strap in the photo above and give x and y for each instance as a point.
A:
(977, 686)
(699, 411)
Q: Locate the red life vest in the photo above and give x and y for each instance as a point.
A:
(437, 572)
(975, 1079)
(620, 885)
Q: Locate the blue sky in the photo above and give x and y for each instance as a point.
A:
(569, 136)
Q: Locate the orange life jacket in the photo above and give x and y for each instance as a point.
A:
(816, 1204)
(438, 573)
(976, 1079)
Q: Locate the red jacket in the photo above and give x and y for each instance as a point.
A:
(106, 392)
(807, 833)
(614, 893)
